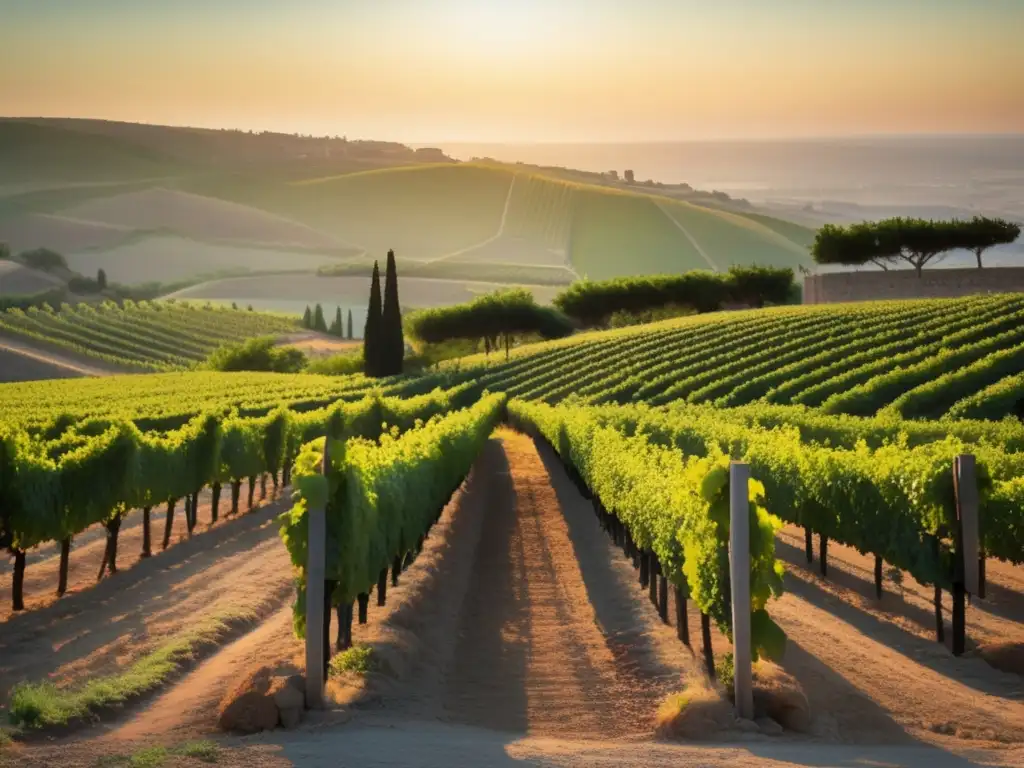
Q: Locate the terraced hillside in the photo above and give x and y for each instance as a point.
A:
(911, 359)
(142, 336)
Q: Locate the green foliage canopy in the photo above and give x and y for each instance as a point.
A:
(502, 314)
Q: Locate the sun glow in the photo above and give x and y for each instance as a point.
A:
(504, 28)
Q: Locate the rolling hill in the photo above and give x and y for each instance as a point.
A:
(33, 152)
(200, 218)
(18, 280)
(151, 203)
(494, 214)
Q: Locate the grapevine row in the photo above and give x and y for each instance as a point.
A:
(51, 490)
(381, 500)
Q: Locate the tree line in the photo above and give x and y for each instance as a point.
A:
(383, 337)
(313, 319)
(917, 242)
(495, 319)
(592, 303)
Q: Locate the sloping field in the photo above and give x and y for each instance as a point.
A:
(540, 211)
(492, 213)
(23, 232)
(201, 218)
(17, 279)
(32, 152)
(916, 359)
(422, 212)
(513, 250)
(168, 259)
(139, 337)
(17, 365)
(621, 234)
(732, 239)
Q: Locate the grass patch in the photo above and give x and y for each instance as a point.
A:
(5, 739)
(696, 713)
(155, 757)
(205, 751)
(41, 705)
(358, 659)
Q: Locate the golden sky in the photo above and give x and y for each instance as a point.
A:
(522, 70)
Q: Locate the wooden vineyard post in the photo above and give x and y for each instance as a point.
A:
(705, 638)
(966, 576)
(682, 626)
(940, 631)
(663, 597)
(315, 619)
(654, 570)
(739, 576)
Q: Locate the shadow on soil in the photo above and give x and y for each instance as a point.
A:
(485, 684)
(124, 600)
(973, 673)
(623, 626)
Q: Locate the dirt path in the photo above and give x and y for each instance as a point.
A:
(96, 629)
(189, 708)
(530, 655)
(23, 362)
(489, 240)
(87, 548)
(872, 670)
(532, 644)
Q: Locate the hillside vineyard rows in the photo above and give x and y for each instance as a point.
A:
(849, 417)
(910, 359)
(143, 336)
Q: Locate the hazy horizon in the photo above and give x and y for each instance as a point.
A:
(448, 71)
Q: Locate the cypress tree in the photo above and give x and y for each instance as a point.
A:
(319, 323)
(307, 317)
(392, 339)
(337, 328)
(372, 330)
(349, 334)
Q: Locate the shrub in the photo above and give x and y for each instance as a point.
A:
(623, 318)
(344, 364)
(259, 354)
(43, 259)
(725, 671)
(594, 303)
(358, 659)
(491, 317)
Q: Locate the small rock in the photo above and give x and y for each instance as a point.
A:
(768, 726)
(747, 726)
(250, 713)
(291, 704)
(290, 718)
(298, 682)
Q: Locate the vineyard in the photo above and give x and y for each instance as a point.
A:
(916, 359)
(141, 336)
(849, 417)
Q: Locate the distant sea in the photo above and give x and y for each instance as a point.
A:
(933, 175)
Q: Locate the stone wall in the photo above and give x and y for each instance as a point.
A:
(835, 287)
